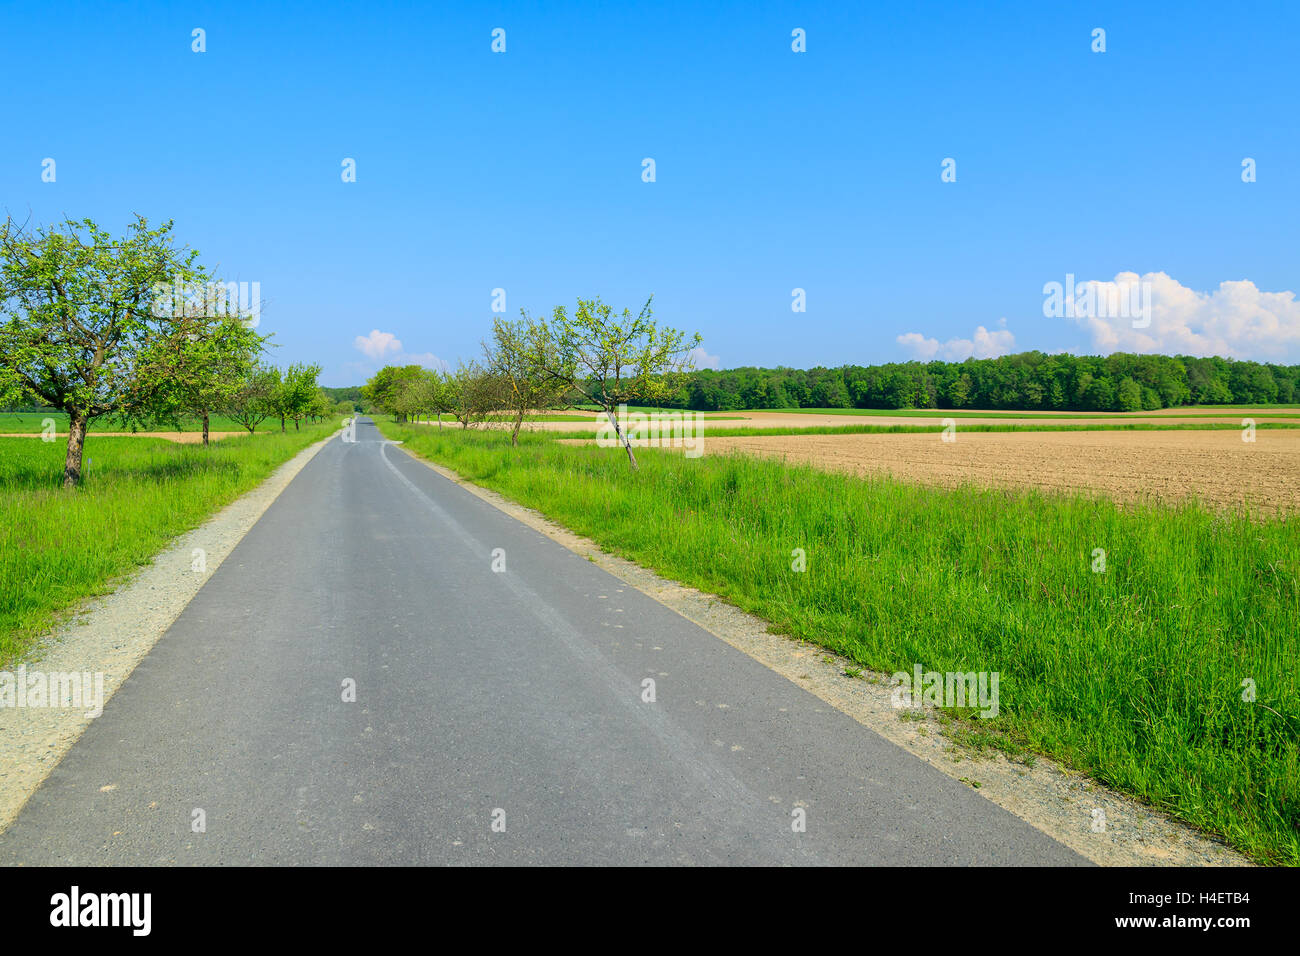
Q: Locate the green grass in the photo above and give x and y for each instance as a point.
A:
(1133, 676)
(31, 423)
(137, 494)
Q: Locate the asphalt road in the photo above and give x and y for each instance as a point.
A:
(482, 697)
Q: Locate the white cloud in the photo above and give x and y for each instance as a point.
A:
(1236, 320)
(983, 344)
(387, 348)
(703, 359)
(378, 344)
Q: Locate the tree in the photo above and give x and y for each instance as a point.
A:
(1129, 396)
(293, 399)
(78, 310)
(473, 393)
(254, 400)
(198, 369)
(385, 388)
(518, 355)
(612, 359)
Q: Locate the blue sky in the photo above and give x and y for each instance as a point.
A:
(775, 170)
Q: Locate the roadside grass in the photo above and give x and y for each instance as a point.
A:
(1134, 676)
(31, 423)
(137, 494)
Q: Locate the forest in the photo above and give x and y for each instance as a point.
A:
(1120, 382)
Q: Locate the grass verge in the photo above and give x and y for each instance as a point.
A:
(1136, 676)
(137, 494)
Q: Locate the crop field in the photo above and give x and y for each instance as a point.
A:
(1215, 467)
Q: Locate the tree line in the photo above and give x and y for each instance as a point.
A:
(1029, 381)
(134, 328)
(594, 355)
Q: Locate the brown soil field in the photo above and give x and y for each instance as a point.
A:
(182, 438)
(757, 420)
(1217, 468)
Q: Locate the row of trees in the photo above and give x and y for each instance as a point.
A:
(1120, 382)
(595, 356)
(95, 325)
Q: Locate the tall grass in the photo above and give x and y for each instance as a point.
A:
(1134, 676)
(57, 548)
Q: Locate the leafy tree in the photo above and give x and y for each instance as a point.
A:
(613, 359)
(473, 393)
(78, 313)
(519, 355)
(254, 400)
(198, 369)
(293, 397)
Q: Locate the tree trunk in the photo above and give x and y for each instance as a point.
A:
(76, 438)
(295, 424)
(623, 438)
(514, 436)
(281, 423)
(205, 427)
(440, 419)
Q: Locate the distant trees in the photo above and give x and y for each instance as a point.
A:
(1026, 381)
(294, 397)
(386, 389)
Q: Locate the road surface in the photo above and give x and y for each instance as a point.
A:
(499, 716)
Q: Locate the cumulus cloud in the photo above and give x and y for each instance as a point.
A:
(387, 348)
(983, 344)
(378, 344)
(1237, 320)
(703, 359)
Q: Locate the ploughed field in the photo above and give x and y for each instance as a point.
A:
(1216, 467)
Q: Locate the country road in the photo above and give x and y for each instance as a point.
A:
(482, 696)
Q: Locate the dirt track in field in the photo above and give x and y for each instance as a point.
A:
(181, 438)
(1217, 467)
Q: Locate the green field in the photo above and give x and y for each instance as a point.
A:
(58, 547)
(31, 423)
(1134, 676)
